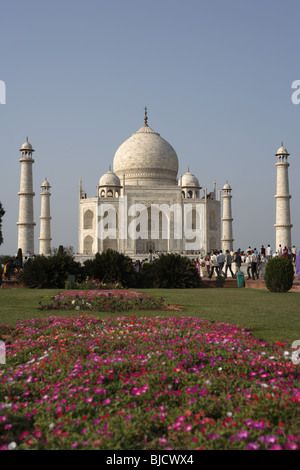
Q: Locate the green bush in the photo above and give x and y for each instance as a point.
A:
(279, 275)
(50, 271)
(110, 267)
(170, 271)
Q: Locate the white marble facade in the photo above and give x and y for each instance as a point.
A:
(151, 207)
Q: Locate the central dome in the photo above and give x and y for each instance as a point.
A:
(146, 159)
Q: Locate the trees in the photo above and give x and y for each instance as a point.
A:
(111, 266)
(50, 271)
(2, 212)
(170, 271)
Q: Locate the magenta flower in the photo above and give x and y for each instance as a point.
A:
(291, 446)
(242, 435)
(252, 446)
(213, 436)
(270, 439)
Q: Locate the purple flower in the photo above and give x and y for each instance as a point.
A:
(291, 446)
(270, 439)
(213, 436)
(106, 402)
(252, 446)
(242, 435)
(258, 425)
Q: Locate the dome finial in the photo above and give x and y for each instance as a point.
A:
(109, 168)
(146, 117)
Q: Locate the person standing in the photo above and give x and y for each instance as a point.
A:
(228, 261)
(207, 264)
(262, 266)
(294, 254)
(248, 264)
(298, 264)
(254, 265)
(238, 261)
(263, 251)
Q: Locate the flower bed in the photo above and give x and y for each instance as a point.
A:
(103, 301)
(138, 383)
(92, 284)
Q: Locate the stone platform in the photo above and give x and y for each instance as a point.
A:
(249, 284)
(12, 283)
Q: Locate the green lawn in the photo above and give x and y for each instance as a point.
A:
(271, 317)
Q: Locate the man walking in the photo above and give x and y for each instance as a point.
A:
(221, 261)
(214, 265)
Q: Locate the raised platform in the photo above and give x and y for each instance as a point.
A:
(207, 283)
(249, 284)
(260, 284)
(12, 283)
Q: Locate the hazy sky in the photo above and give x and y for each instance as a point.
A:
(216, 77)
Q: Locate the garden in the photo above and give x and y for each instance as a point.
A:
(144, 380)
(92, 358)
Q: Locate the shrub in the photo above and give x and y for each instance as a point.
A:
(170, 271)
(279, 275)
(110, 267)
(50, 271)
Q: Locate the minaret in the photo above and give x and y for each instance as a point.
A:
(227, 240)
(283, 219)
(45, 237)
(26, 222)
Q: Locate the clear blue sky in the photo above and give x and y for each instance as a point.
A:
(215, 75)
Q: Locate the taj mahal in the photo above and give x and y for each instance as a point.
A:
(143, 204)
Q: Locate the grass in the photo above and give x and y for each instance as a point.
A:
(270, 316)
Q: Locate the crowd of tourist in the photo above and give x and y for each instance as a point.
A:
(222, 263)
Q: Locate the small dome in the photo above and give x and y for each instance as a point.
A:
(46, 184)
(282, 151)
(227, 187)
(109, 179)
(188, 179)
(27, 146)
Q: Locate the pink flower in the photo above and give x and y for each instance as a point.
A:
(291, 446)
(162, 441)
(252, 446)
